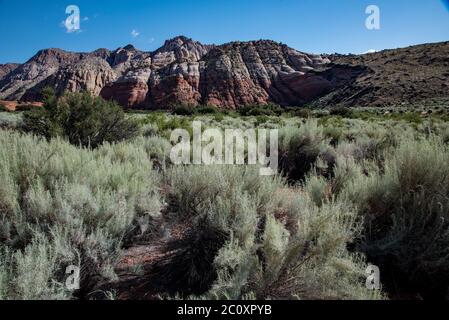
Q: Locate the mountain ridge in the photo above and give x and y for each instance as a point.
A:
(235, 74)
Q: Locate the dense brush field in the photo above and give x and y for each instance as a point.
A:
(354, 188)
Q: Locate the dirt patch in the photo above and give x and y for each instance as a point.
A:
(12, 105)
(179, 263)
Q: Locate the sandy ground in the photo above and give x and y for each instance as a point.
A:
(12, 105)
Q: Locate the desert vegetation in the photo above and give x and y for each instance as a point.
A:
(95, 190)
(80, 118)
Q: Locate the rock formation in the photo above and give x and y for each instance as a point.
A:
(7, 68)
(186, 72)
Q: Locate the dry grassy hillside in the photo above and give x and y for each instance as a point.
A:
(410, 75)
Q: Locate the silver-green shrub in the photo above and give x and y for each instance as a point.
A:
(278, 244)
(405, 205)
(61, 205)
(300, 147)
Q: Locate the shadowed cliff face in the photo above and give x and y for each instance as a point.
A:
(187, 72)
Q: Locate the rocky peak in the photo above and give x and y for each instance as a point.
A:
(129, 47)
(32, 73)
(181, 49)
(123, 55)
(89, 74)
(101, 53)
(55, 56)
(176, 42)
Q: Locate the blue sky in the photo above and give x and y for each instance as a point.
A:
(318, 26)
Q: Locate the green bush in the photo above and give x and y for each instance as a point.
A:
(341, 111)
(81, 119)
(411, 117)
(29, 274)
(300, 148)
(10, 120)
(249, 240)
(302, 112)
(158, 150)
(207, 110)
(3, 108)
(334, 133)
(405, 205)
(219, 117)
(61, 205)
(184, 111)
(165, 124)
(262, 110)
(25, 107)
(260, 120)
(371, 189)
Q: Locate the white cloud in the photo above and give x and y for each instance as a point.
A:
(370, 51)
(135, 33)
(86, 19)
(151, 40)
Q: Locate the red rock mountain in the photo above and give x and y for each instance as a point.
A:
(184, 71)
